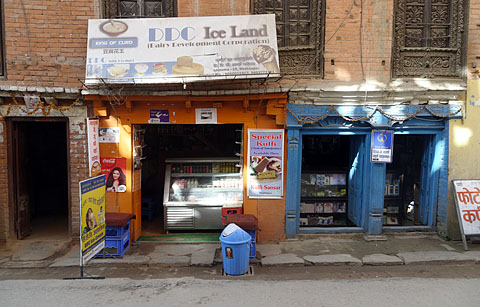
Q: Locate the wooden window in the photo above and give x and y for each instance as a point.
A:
(299, 33)
(140, 8)
(428, 38)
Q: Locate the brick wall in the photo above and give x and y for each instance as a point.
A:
(46, 41)
(189, 8)
(473, 45)
(344, 46)
(4, 222)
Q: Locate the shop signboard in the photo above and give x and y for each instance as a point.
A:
(93, 150)
(265, 163)
(179, 50)
(92, 217)
(109, 134)
(382, 146)
(159, 117)
(467, 199)
(115, 171)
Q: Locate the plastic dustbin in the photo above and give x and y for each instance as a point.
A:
(235, 250)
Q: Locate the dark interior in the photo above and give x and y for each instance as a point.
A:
(179, 141)
(45, 165)
(325, 153)
(406, 166)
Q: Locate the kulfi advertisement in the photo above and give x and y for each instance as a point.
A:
(160, 50)
(265, 160)
(92, 217)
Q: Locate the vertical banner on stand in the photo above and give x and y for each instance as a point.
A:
(92, 217)
(94, 166)
(265, 161)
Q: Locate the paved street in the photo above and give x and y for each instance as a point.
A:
(417, 270)
(189, 291)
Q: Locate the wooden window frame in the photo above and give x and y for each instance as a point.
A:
(302, 60)
(111, 9)
(428, 61)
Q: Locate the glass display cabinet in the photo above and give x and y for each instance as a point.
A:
(196, 190)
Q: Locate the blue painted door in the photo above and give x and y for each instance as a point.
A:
(426, 177)
(355, 179)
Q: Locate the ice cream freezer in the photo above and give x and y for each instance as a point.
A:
(196, 190)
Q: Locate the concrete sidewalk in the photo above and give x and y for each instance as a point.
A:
(348, 249)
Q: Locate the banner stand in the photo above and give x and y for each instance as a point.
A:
(92, 222)
(82, 276)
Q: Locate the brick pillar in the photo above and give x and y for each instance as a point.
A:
(78, 169)
(4, 218)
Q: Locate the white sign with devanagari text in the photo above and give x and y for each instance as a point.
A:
(467, 198)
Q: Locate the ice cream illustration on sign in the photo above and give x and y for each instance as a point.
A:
(186, 67)
(265, 55)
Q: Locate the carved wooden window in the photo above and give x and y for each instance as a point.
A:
(428, 38)
(140, 8)
(299, 33)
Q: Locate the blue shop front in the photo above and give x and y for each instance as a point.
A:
(333, 186)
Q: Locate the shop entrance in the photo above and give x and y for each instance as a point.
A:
(332, 181)
(189, 142)
(38, 171)
(407, 193)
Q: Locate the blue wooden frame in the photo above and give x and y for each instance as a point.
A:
(374, 173)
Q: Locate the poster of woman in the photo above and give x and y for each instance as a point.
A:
(115, 172)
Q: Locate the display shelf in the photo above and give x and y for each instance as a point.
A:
(393, 199)
(179, 175)
(323, 200)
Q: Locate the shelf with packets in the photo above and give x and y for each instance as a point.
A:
(323, 199)
(393, 199)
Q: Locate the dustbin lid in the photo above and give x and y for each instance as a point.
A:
(234, 234)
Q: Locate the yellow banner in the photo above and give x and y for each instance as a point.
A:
(92, 216)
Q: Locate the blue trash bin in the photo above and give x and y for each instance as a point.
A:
(235, 250)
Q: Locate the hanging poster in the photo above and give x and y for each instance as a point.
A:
(206, 116)
(159, 117)
(467, 199)
(265, 161)
(382, 146)
(115, 171)
(93, 151)
(109, 134)
(92, 217)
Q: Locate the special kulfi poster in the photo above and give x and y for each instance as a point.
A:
(265, 163)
